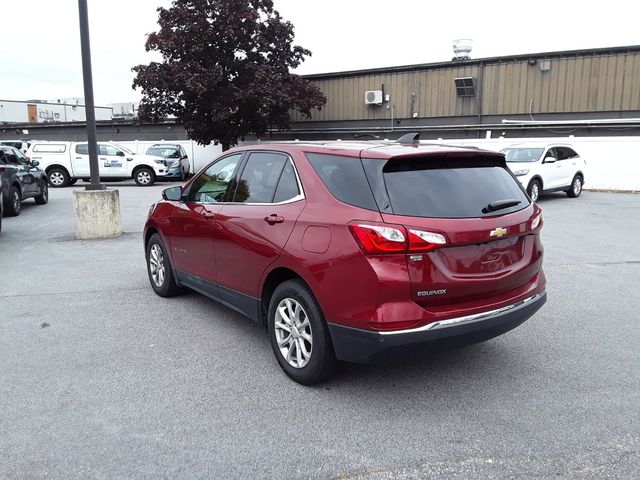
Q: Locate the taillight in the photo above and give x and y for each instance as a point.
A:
(380, 239)
(422, 241)
(537, 221)
(2, 168)
(386, 238)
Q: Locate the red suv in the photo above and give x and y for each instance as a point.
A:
(354, 252)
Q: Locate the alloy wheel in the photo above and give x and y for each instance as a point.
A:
(156, 265)
(535, 192)
(56, 178)
(16, 201)
(293, 333)
(577, 186)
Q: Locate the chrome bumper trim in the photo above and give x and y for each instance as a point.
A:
(451, 322)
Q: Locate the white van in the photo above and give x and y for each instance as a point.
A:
(66, 162)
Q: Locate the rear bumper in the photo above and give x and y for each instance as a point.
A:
(364, 346)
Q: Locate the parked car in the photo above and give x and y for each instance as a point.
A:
(1, 205)
(66, 162)
(21, 179)
(353, 252)
(175, 159)
(22, 145)
(547, 168)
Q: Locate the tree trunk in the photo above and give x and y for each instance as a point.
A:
(225, 145)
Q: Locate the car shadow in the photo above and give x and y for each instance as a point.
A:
(459, 371)
(551, 197)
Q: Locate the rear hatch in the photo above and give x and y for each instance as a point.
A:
(472, 230)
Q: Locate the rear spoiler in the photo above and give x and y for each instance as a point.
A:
(457, 159)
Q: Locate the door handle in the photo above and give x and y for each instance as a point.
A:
(208, 215)
(273, 219)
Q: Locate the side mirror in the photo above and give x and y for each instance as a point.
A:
(120, 153)
(184, 157)
(34, 163)
(550, 160)
(173, 194)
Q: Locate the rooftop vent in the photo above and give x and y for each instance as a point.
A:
(462, 49)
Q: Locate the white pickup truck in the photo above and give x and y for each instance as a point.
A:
(66, 162)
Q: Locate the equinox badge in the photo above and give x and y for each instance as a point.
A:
(498, 232)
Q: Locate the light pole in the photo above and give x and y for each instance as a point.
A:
(89, 106)
(97, 209)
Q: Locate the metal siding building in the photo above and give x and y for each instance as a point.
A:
(602, 83)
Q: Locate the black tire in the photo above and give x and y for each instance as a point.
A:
(43, 198)
(144, 177)
(13, 207)
(576, 187)
(534, 190)
(322, 362)
(168, 286)
(73, 181)
(58, 177)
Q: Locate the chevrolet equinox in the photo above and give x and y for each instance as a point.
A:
(360, 252)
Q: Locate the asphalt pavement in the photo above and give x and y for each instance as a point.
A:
(102, 379)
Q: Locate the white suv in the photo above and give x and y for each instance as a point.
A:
(546, 168)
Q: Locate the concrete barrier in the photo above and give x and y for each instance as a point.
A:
(97, 213)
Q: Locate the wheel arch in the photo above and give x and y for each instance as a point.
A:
(56, 165)
(148, 233)
(16, 184)
(137, 168)
(539, 179)
(271, 281)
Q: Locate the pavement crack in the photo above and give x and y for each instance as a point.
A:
(75, 292)
(596, 264)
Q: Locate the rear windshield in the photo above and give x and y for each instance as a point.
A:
(522, 154)
(445, 188)
(166, 152)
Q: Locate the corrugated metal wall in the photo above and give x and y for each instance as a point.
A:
(573, 84)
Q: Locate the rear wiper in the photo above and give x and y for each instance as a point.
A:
(500, 204)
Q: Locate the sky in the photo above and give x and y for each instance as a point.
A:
(43, 60)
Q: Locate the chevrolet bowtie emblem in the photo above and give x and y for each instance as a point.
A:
(498, 232)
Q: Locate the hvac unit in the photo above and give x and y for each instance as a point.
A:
(373, 97)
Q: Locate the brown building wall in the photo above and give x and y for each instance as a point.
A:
(591, 82)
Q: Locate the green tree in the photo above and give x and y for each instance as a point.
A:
(225, 71)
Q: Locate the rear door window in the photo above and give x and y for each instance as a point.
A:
(345, 179)
(12, 159)
(287, 186)
(82, 149)
(565, 153)
(446, 188)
